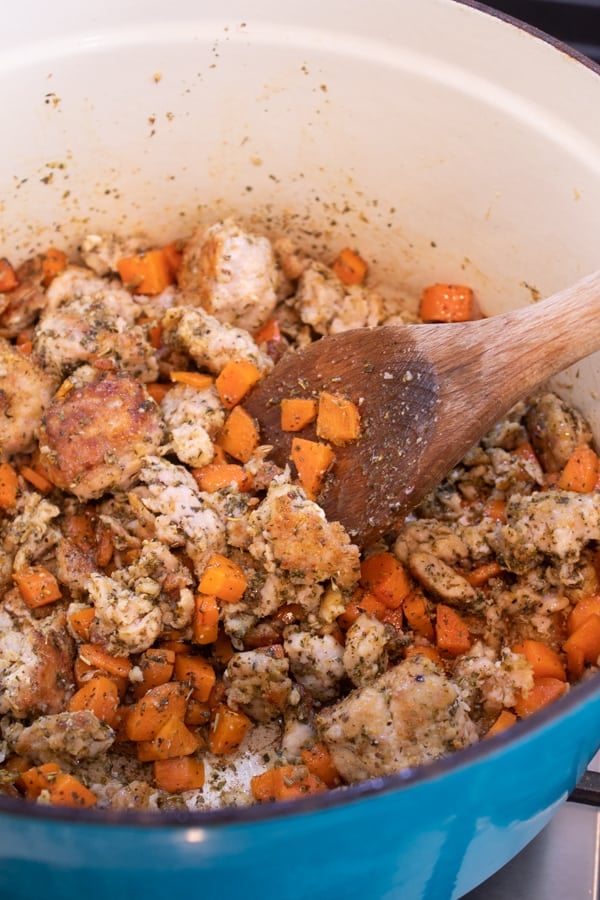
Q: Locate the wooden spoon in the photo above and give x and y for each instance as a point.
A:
(426, 394)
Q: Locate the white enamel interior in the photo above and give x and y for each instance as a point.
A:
(445, 143)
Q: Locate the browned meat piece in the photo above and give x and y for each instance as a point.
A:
(24, 392)
(96, 436)
(555, 430)
(36, 661)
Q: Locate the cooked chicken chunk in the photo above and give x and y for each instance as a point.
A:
(132, 607)
(102, 252)
(365, 650)
(329, 307)
(292, 533)
(555, 430)
(65, 735)
(193, 417)
(184, 516)
(557, 524)
(489, 682)
(317, 663)
(29, 535)
(210, 343)
(25, 391)
(77, 283)
(36, 660)
(259, 684)
(232, 272)
(96, 436)
(82, 330)
(411, 715)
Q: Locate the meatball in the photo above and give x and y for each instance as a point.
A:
(96, 436)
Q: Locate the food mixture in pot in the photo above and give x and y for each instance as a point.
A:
(180, 626)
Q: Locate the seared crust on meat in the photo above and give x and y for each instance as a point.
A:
(96, 437)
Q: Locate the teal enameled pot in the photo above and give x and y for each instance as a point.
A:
(448, 143)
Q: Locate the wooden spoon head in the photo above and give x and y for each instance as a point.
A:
(376, 479)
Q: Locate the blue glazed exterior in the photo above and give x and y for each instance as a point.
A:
(434, 835)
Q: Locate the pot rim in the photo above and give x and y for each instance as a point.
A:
(577, 697)
(570, 702)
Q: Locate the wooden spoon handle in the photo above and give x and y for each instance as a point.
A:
(541, 339)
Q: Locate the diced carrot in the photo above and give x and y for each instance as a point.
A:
(394, 617)
(9, 485)
(66, 790)
(270, 331)
(99, 695)
(504, 721)
(544, 691)
(223, 578)
(582, 610)
(583, 645)
(495, 508)
(217, 476)
(481, 574)
(173, 739)
(205, 623)
(386, 577)
(95, 655)
(223, 649)
(80, 621)
(151, 712)
(219, 455)
(297, 413)
(197, 713)
(446, 303)
(54, 261)
(173, 256)
(234, 381)
(37, 779)
(155, 335)
(197, 672)
(180, 773)
(338, 419)
(239, 436)
(312, 461)
(349, 267)
(227, 730)
(25, 348)
(452, 632)
(285, 783)
(544, 661)
(8, 278)
(37, 586)
(37, 479)
(415, 610)
(319, 762)
(193, 379)
(427, 650)
(526, 453)
(362, 602)
(157, 667)
(175, 645)
(80, 529)
(158, 391)
(105, 547)
(146, 273)
(580, 472)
